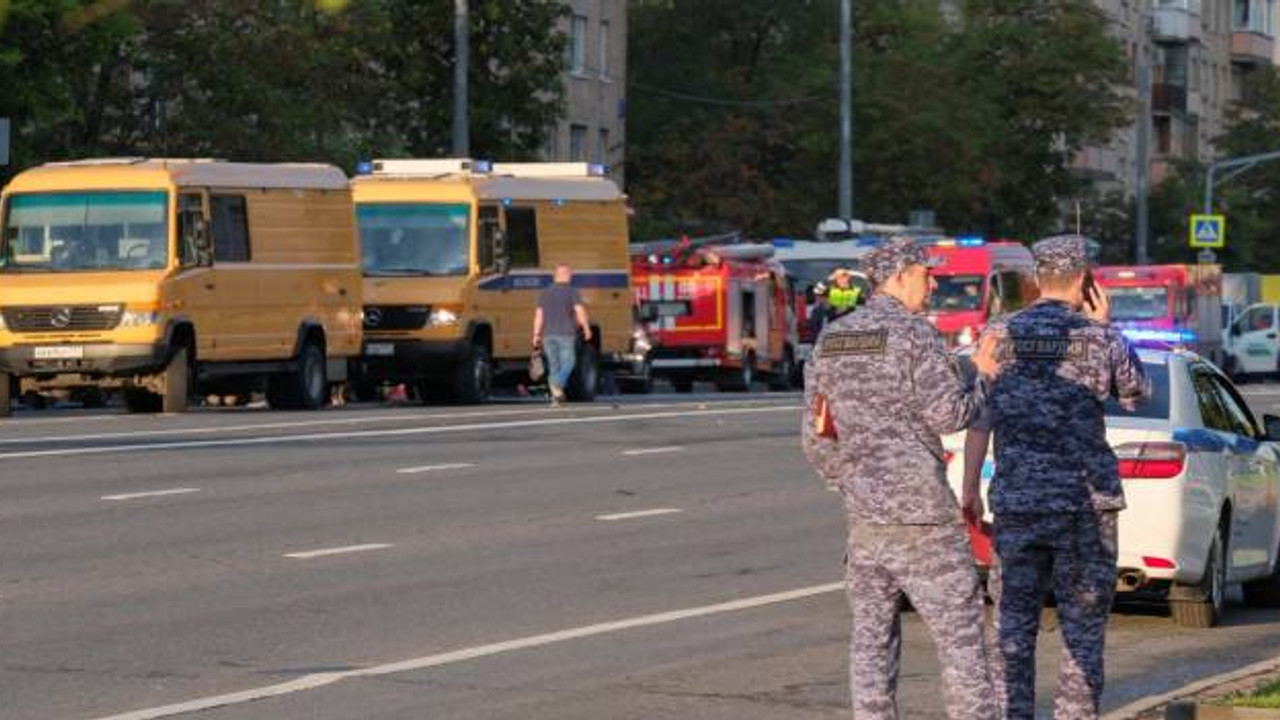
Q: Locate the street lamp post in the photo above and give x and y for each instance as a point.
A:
(846, 109)
(1142, 184)
(461, 60)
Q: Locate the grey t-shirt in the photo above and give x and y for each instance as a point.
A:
(557, 303)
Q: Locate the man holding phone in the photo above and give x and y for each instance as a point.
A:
(1056, 490)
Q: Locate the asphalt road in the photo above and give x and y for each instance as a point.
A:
(662, 557)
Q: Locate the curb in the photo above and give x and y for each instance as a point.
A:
(1147, 704)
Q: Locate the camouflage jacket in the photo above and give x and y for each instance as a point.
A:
(892, 389)
(1046, 411)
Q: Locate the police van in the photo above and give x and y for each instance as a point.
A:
(164, 278)
(456, 254)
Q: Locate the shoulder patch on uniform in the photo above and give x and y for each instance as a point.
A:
(870, 342)
(1045, 347)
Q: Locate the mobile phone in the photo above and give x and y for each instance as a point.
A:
(1090, 288)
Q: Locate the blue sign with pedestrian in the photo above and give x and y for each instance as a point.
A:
(1208, 231)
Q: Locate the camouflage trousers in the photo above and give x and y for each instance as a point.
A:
(1074, 554)
(931, 566)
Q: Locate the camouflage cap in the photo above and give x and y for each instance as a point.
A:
(1061, 255)
(893, 256)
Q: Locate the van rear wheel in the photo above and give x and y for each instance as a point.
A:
(6, 395)
(307, 388)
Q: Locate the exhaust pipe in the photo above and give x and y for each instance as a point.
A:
(1131, 580)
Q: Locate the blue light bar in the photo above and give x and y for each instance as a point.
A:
(364, 167)
(971, 241)
(1161, 336)
(783, 242)
(597, 169)
(482, 166)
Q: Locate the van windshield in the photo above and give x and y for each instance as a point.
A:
(414, 238)
(86, 232)
(1138, 303)
(956, 293)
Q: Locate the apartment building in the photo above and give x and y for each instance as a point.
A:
(1199, 52)
(593, 127)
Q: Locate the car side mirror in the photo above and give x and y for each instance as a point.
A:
(1271, 425)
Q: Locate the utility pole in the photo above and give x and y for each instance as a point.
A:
(461, 61)
(1142, 185)
(846, 109)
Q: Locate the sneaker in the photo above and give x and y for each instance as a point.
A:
(557, 397)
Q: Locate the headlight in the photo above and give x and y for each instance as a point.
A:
(139, 318)
(2, 325)
(442, 317)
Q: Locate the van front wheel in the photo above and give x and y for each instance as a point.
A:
(6, 395)
(473, 377)
(176, 382)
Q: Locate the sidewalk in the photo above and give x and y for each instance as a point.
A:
(1205, 690)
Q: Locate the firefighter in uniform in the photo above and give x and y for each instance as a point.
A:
(891, 389)
(1056, 490)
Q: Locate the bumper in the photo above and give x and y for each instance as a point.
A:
(410, 359)
(87, 361)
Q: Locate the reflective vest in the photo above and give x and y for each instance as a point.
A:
(843, 299)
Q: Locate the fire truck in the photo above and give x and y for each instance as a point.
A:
(1175, 305)
(978, 281)
(718, 311)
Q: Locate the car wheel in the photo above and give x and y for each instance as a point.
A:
(585, 380)
(1264, 592)
(6, 395)
(177, 382)
(1202, 605)
(473, 378)
(741, 380)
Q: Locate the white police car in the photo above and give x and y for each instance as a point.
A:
(1202, 481)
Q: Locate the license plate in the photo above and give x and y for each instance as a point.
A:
(59, 352)
(380, 349)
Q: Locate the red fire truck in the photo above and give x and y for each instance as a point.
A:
(1178, 305)
(718, 312)
(977, 281)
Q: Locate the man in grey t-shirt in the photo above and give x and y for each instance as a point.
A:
(560, 313)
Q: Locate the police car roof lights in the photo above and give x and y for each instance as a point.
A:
(430, 168)
(1158, 336)
(552, 170)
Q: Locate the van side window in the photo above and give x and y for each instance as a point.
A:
(486, 233)
(522, 237)
(190, 212)
(230, 228)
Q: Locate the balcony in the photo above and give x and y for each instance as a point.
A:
(1167, 99)
(1252, 48)
(1176, 21)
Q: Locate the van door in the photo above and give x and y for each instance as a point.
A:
(192, 289)
(1254, 341)
(519, 290)
(249, 327)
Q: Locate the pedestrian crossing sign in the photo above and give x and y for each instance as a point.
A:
(1208, 231)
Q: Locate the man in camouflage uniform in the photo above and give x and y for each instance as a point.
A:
(1056, 490)
(892, 390)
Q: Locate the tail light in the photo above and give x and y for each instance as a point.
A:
(947, 457)
(1159, 562)
(967, 336)
(1152, 460)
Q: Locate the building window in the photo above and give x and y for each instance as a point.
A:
(603, 49)
(551, 147)
(230, 228)
(577, 48)
(602, 147)
(577, 143)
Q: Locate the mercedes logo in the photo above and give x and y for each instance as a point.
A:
(60, 318)
(373, 317)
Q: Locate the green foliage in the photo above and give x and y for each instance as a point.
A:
(734, 111)
(327, 80)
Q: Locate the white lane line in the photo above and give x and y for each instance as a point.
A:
(393, 432)
(337, 551)
(433, 468)
(153, 493)
(318, 680)
(639, 514)
(347, 421)
(654, 450)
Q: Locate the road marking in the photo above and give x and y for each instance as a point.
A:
(153, 493)
(639, 514)
(393, 432)
(654, 450)
(211, 430)
(337, 551)
(433, 468)
(318, 680)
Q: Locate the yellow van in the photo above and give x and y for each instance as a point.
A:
(456, 253)
(166, 277)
